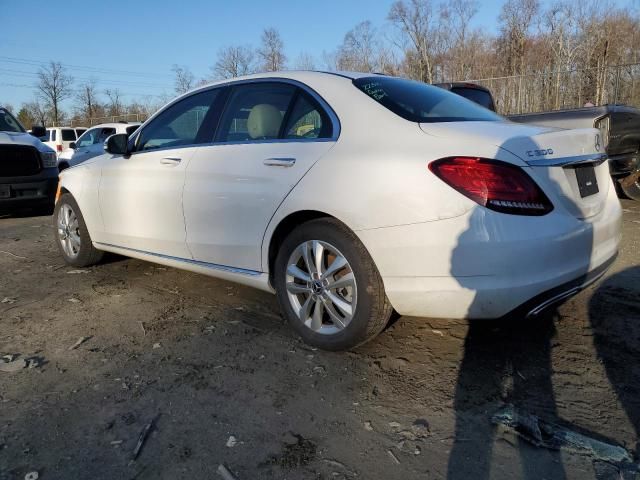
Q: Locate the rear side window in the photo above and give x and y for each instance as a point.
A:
(52, 135)
(68, 135)
(255, 112)
(307, 120)
(179, 124)
(419, 102)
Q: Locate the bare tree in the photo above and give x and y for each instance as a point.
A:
(414, 19)
(115, 105)
(36, 112)
(184, 79)
(271, 52)
(234, 61)
(87, 98)
(54, 86)
(359, 49)
(305, 61)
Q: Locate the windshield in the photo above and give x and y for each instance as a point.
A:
(419, 102)
(8, 123)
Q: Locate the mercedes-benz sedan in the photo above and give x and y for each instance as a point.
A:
(349, 196)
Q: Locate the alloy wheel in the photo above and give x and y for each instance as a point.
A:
(69, 231)
(321, 287)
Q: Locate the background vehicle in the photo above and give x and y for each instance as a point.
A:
(59, 138)
(91, 143)
(28, 168)
(79, 131)
(349, 195)
(619, 127)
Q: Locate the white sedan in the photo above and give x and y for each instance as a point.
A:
(350, 195)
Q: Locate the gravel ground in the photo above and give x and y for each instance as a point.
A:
(221, 378)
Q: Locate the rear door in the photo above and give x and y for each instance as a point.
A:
(141, 195)
(67, 135)
(268, 137)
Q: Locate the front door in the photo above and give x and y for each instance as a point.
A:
(141, 196)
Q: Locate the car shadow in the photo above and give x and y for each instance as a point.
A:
(614, 314)
(508, 361)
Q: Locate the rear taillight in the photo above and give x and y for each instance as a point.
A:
(59, 148)
(493, 184)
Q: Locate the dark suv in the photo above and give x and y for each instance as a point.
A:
(28, 168)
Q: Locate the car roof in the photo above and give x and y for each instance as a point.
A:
(290, 75)
(116, 124)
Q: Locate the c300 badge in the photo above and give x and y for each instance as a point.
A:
(539, 153)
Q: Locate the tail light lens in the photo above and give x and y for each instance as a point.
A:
(493, 184)
(59, 148)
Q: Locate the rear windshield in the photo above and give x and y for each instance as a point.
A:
(68, 135)
(481, 97)
(419, 102)
(8, 123)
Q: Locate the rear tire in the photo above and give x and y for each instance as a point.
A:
(631, 190)
(72, 236)
(328, 287)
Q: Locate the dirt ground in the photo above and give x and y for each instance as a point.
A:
(224, 381)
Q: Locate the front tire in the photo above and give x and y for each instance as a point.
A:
(72, 236)
(328, 287)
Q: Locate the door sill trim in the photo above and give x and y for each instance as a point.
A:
(213, 266)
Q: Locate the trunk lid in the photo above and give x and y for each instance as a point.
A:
(569, 165)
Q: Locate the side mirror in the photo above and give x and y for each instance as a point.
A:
(117, 144)
(38, 131)
(72, 145)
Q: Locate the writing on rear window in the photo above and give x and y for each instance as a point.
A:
(374, 90)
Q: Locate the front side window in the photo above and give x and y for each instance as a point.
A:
(8, 123)
(255, 112)
(88, 138)
(179, 124)
(419, 102)
(68, 135)
(104, 134)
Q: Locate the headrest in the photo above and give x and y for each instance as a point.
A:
(264, 121)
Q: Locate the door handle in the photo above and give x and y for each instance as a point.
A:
(170, 161)
(279, 162)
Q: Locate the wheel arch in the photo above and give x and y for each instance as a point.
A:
(286, 226)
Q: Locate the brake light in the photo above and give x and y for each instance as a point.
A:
(493, 184)
(59, 148)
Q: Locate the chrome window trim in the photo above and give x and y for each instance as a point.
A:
(213, 266)
(595, 158)
(335, 121)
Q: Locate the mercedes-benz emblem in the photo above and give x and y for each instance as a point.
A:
(597, 143)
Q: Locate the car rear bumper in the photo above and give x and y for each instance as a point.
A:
(30, 191)
(488, 265)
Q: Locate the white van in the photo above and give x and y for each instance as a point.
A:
(59, 138)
